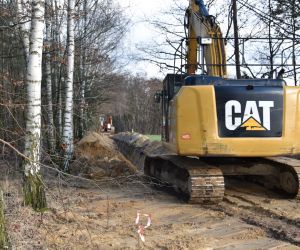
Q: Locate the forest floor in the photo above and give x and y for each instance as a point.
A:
(100, 214)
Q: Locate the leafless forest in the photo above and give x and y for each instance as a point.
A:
(60, 70)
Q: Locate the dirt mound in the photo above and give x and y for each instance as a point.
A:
(96, 157)
(94, 144)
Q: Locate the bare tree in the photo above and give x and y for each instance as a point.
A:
(24, 8)
(236, 39)
(134, 106)
(68, 115)
(48, 79)
(83, 72)
(33, 186)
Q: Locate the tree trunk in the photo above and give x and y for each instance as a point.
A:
(34, 192)
(270, 42)
(83, 73)
(236, 40)
(3, 235)
(33, 186)
(60, 107)
(68, 118)
(58, 73)
(24, 26)
(82, 99)
(51, 138)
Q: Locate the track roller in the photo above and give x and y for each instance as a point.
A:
(200, 182)
(289, 175)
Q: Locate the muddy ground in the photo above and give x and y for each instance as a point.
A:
(100, 214)
(83, 216)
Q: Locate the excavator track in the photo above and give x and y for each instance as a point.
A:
(202, 180)
(206, 185)
(289, 176)
(281, 173)
(198, 181)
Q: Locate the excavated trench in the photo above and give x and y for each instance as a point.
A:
(135, 147)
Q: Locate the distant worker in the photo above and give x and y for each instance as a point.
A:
(109, 123)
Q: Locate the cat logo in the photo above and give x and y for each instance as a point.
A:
(256, 115)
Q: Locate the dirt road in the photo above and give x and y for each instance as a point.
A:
(101, 215)
(82, 216)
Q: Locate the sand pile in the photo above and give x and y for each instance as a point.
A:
(96, 157)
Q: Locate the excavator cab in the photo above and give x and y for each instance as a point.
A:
(171, 85)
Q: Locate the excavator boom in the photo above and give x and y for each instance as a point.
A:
(203, 27)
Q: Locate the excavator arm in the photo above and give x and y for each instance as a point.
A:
(201, 25)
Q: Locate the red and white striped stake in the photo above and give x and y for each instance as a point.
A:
(141, 228)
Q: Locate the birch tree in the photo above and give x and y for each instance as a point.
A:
(58, 58)
(48, 79)
(68, 118)
(24, 25)
(33, 185)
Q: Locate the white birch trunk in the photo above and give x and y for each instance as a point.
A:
(24, 25)
(58, 70)
(33, 186)
(48, 79)
(68, 117)
(60, 107)
(33, 78)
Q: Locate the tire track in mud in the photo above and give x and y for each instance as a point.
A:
(264, 211)
(243, 205)
(237, 204)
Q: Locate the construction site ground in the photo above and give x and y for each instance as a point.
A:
(100, 214)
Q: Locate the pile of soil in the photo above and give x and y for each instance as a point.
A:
(96, 157)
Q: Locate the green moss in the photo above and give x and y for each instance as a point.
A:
(3, 236)
(34, 192)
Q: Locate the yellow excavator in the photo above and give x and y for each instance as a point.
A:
(217, 126)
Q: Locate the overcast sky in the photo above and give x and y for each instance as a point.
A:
(141, 32)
